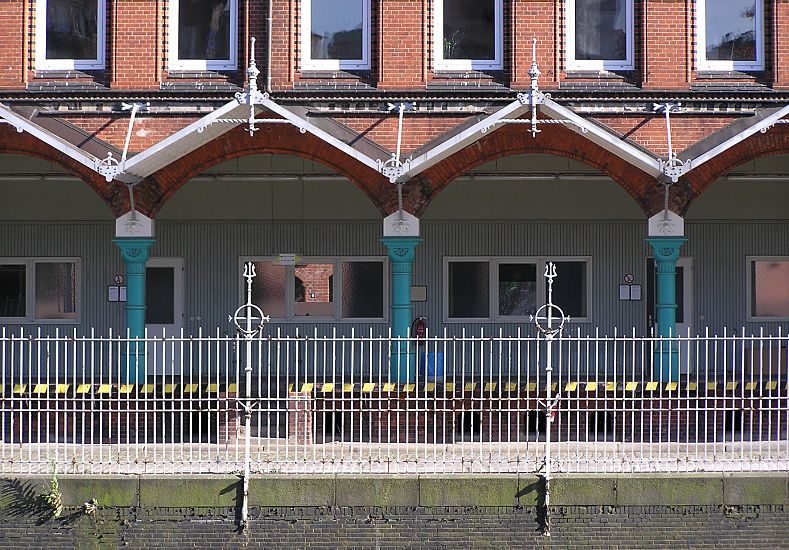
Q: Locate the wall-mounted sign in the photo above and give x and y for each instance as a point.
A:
(116, 293)
(419, 294)
(288, 259)
(629, 293)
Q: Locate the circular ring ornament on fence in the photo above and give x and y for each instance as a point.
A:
(548, 313)
(249, 315)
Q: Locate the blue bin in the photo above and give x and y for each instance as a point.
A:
(431, 365)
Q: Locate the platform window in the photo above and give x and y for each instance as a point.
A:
(468, 34)
(325, 288)
(730, 35)
(335, 34)
(509, 289)
(70, 34)
(39, 290)
(600, 35)
(769, 286)
(203, 34)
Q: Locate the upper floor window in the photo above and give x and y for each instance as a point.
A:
(468, 34)
(203, 34)
(730, 35)
(70, 34)
(40, 290)
(335, 34)
(600, 35)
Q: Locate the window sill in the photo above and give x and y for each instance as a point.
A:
(729, 75)
(199, 75)
(597, 75)
(53, 74)
(313, 74)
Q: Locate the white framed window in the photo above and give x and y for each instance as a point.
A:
(768, 288)
(345, 288)
(203, 35)
(511, 289)
(600, 35)
(468, 34)
(70, 34)
(335, 34)
(730, 35)
(40, 290)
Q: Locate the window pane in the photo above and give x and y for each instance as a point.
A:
(336, 29)
(601, 30)
(314, 294)
(268, 288)
(56, 290)
(159, 295)
(469, 290)
(12, 291)
(517, 289)
(569, 288)
(363, 289)
(730, 29)
(770, 288)
(469, 29)
(204, 29)
(72, 29)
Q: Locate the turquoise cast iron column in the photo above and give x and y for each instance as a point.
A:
(401, 253)
(135, 253)
(666, 254)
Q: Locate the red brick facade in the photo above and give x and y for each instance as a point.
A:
(402, 66)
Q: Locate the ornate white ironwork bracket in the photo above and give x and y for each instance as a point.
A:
(763, 130)
(252, 97)
(18, 128)
(534, 98)
(672, 167)
(394, 168)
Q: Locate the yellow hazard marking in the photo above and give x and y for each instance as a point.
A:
(327, 388)
(571, 386)
(147, 388)
(408, 388)
(368, 387)
(231, 388)
(389, 387)
(651, 386)
(671, 386)
(60, 388)
(212, 388)
(771, 385)
(470, 386)
(104, 389)
(532, 386)
(192, 388)
(126, 389)
(591, 386)
(712, 386)
(307, 388)
(610, 386)
(731, 386)
(19, 388)
(40, 388)
(348, 388)
(430, 387)
(490, 387)
(511, 386)
(692, 386)
(450, 386)
(169, 388)
(83, 388)
(631, 386)
(750, 386)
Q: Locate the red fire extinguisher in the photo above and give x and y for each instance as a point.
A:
(419, 328)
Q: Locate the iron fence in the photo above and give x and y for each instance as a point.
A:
(330, 404)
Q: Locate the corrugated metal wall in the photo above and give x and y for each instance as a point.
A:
(211, 252)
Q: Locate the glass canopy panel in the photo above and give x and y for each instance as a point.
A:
(730, 30)
(601, 30)
(469, 29)
(72, 29)
(336, 29)
(204, 29)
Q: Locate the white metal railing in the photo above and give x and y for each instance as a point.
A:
(327, 404)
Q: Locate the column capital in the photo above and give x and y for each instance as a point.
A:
(666, 249)
(401, 249)
(134, 250)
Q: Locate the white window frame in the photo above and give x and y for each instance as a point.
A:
(309, 64)
(174, 63)
(493, 278)
(42, 63)
(442, 64)
(290, 288)
(599, 64)
(720, 65)
(750, 286)
(30, 290)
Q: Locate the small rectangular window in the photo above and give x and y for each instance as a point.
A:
(335, 34)
(203, 34)
(362, 290)
(600, 35)
(769, 282)
(517, 289)
(468, 34)
(469, 290)
(70, 34)
(314, 290)
(268, 288)
(569, 288)
(33, 290)
(730, 35)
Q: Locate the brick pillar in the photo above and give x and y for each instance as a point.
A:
(402, 43)
(135, 28)
(11, 47)
(779, 45)
(301, 409)
(665, 44)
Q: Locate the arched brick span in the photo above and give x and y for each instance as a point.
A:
(152, 194)
(775, 141)
(515, 139)
(16, 143)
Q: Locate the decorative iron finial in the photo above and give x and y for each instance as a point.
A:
(252, 71)
(249, 318)
(548, 313)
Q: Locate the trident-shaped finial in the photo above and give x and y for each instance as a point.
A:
(550, 274)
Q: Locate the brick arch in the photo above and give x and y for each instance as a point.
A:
(16, 143)
(514, 140)
(154, 192)
(775, 141)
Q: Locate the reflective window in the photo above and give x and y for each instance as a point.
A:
(70, 34)
(469, 290)
(468, 34)
(159, 295)
(336, 34)
(770, 288)
(517, 289)
(343, 288)
(600, 34)
(730, 34)
(33, 290)
(204, 37)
